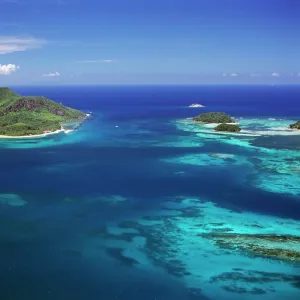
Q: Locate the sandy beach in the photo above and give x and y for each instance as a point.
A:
(36, 135)
(215, 124)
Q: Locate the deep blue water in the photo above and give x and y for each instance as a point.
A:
(242, 100)
(120, 161)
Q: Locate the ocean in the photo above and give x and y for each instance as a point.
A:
(139, 202)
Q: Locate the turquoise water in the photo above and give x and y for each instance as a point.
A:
(136, 203)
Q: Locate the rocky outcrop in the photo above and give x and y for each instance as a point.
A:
(32, 104)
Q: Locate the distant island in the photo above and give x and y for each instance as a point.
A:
(228, 127)
(22, 116)
(213, 117)
(225, 122)
(295, 125)
(195, 105)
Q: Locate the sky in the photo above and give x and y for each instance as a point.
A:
(149, 42)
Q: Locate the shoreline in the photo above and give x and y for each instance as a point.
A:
(41, 135)
(208, 128)
(35, 135)
(214, 124)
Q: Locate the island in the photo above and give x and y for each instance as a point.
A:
(195, 105)
(26, 116)
(295, 125)
(228, 127)
(213, 117)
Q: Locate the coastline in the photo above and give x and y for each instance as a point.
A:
(35, 135)
(41, 135)
(208, 128)
(216, 124)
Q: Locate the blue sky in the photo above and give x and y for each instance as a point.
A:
(149, 42)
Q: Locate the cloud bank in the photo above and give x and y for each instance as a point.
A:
(295, 74)
(10, 44)
(54, 74)
(8, 69)
(275, 74)
(95, 61)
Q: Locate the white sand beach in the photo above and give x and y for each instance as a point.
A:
(36, 135)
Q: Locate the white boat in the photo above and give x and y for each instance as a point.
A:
(196, 105)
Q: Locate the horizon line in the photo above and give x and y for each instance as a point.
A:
(152, 84)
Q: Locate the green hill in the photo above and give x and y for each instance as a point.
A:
(22, 116)
(213, 117)
(7, 96)
(223, 127)
(5, 92)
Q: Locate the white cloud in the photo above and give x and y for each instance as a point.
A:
(10, 44)
(234, 74)
(8, 69)
(295, 74)
(54, 74)
(95, 61)
(224, 74)
(275, 74)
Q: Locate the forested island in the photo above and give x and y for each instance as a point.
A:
(295, 125)
(227, 127)
(32, 115)
(214, 117)
(225, 122)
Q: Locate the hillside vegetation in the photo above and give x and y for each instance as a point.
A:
(295, 125)
(23, 115)
(213, 117)
(228, 128)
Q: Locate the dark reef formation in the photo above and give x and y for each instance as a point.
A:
(282, 247)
